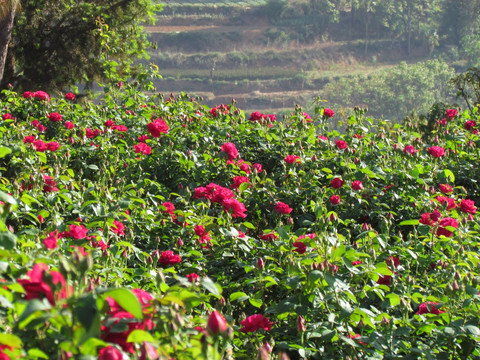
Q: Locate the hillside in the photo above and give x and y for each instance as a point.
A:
(222, 51)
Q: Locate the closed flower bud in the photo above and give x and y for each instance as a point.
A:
(384, 321)
(455, 286)
(179, 242)
(216, 323)
(260, 263)
(301, 327)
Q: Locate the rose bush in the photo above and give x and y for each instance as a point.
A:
(150, 226)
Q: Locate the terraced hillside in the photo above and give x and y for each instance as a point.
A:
(224, 50)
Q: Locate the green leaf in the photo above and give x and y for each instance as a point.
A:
(283, 233)
(248, 225)
(8, 199)
(394, 299)
(140, 336)
(10, 340)
(127, 301)
(255, 302)
(8, 240)
(87, 313)
(209, 285)
(42, 156)
(33, 307)
(409, 222)
(4, 151)
(239, 295)
(382, 269)
(37, 354)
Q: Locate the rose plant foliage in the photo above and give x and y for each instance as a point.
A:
(154, 227)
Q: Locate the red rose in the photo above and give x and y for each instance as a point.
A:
(335, 200)
(29, 139)
(169, 258)
(282, 208)
(143, 138)
(36, 287)
(53, 146)
(446, 188)
(218, 194)
(27, 94)
(436, 151)
(70, 96)
(50, 241)
(41, 95)
(7, 116)
(428, 308)
(90, 134)
(341, 144)
(244, 166)
(409, 149)
(337, 183)
(257, 167)
(169, 208)
(109, 123)
(446, 222)
(300, 247)
(40, 146)
(470, 124)
(449, 201)
(239, 180)
(291, 159)
(157, 127)
(118, 227)
(425, 219)
(193, 278)
(50, 184)
(236, 206)
(216, 323)
(451, 113)
(268, 237)
(54, 116)
(256, 322)
(69, 125)
(142, 148)
(230, 149)
(109, 353)
(468, 206)
(76, 231)
(328, 112)
(357, 185)
(218, 110)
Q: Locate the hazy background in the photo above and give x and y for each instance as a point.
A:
(394, 56)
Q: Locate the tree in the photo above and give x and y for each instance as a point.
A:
(7, 15)
(411, 18)
(57, 44)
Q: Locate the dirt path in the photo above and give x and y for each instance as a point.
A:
(204, 28)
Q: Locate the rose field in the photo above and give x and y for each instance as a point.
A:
(149, 226)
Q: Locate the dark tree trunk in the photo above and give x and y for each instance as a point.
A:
(6, 26)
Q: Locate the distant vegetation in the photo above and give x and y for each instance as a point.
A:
(391, 55)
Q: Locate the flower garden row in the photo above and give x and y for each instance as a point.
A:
(157, 228)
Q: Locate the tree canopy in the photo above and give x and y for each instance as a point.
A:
(56, 45)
